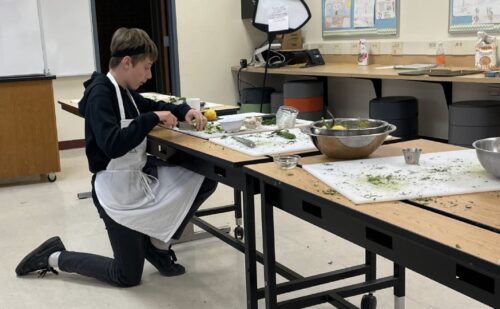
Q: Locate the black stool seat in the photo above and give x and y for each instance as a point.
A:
(401, 111)
(473, 120)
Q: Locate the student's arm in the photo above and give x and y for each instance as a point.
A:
(105, 123)
(147, 105)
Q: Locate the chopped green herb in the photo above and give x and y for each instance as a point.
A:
(285, 134)
(269, 122)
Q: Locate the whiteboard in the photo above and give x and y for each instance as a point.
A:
(20, 41)
(67, 26)
(67, 34)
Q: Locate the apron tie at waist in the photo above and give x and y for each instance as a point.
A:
(146, 179)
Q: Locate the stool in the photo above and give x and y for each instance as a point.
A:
(251, 99)
(473, 120)
(401, 111)
(276, 101)
(306, 96)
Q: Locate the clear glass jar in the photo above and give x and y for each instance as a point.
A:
(285, 117)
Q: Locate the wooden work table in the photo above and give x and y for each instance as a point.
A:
(454, 240)
(71, 105)
(370, 72)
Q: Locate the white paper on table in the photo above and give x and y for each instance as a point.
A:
(385, 9)
(364, 13)
(268, 143)
(299, 123)
(391, 179)
(278, 17)
(212, 105)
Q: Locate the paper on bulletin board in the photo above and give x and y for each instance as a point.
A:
(385, 9)
(337, 14)
(464, 7)
(364, 13)
(487, 12)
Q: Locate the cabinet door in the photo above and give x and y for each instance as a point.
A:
(28, 136)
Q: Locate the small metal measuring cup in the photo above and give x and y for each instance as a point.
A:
(412, 155)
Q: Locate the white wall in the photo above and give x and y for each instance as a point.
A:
(69, 126)
(421, 21)
(212, 38)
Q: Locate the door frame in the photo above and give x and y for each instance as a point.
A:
(169, 41)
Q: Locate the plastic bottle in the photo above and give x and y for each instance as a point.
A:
(363, 53)
(440, 54)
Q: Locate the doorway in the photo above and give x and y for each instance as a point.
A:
(157, 18)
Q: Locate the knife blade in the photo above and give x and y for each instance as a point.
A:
(244, 141)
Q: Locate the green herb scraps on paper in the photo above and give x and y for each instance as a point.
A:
(285, 134)
(387, 181)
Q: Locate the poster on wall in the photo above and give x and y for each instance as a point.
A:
(337, 14)
(385, 9)
(364, 13)
(474, 15)
(360, 18)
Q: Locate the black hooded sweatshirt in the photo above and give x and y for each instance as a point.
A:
(104, 138)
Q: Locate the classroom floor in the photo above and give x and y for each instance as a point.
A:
(32, 211)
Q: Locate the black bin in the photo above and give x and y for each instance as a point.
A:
(401, 111)
(473, 120)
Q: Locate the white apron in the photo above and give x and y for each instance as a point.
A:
(153, 206)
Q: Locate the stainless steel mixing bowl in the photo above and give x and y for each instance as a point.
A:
(354, 126)
(349, 147)
(488, 153)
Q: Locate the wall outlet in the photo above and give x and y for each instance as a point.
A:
(336, 48)
(432, 45)
(375, 48)
(397, 48)
(354, 48)
(494, 91)
(458, 48)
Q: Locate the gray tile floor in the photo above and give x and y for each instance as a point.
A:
(32, 211)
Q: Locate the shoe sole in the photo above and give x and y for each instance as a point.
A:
(55, 240)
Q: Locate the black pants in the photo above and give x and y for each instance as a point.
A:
(129, 247)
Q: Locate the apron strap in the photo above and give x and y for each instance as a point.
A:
(120, 99)
(118, 95)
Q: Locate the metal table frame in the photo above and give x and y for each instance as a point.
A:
(451, 267)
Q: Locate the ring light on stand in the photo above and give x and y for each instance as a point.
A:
(279, 17)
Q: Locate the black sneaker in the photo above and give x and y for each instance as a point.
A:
(38, 259)
(164, 261)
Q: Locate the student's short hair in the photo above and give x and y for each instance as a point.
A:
(133, 42)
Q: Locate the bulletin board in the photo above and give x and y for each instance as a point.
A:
(360, 18)
(474, 15)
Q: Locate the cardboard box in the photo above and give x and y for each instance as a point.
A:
(292, 41)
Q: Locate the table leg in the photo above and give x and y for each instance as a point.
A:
(399, 288)
(269, 251)
(84, 195)
(250, 247)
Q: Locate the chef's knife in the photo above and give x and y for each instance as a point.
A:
(244, 141)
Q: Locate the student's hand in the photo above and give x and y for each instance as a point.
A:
(194, 114)
(167, 119)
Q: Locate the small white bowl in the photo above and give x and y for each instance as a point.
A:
(231, 125)
(286, 162)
